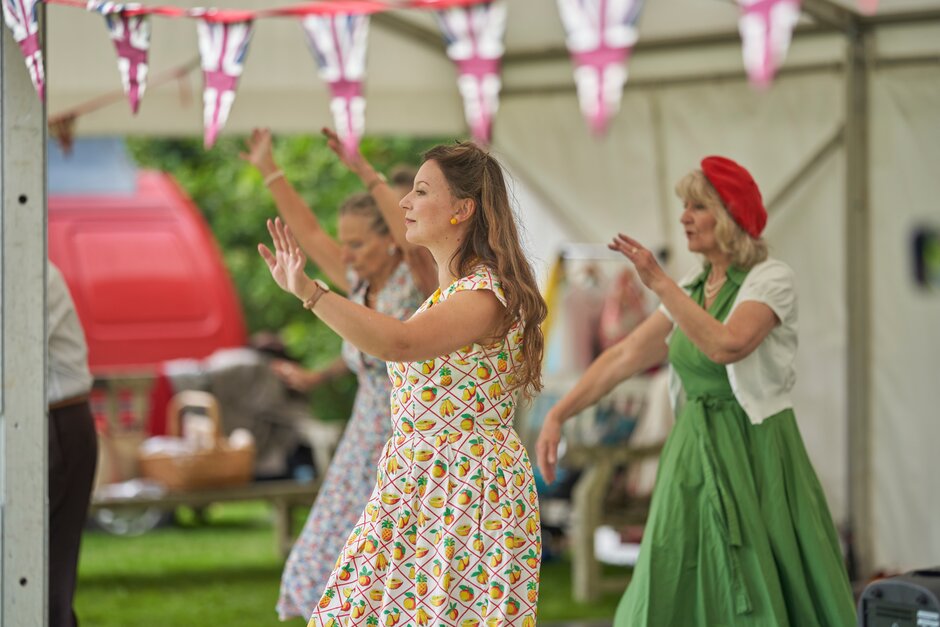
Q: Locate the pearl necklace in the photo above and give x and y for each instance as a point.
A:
(712, 289)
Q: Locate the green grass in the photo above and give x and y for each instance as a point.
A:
(226, 571)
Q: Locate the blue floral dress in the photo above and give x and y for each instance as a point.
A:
(351, 477)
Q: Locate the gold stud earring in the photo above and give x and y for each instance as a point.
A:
(453, 221)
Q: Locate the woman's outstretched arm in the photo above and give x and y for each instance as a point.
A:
(722, 342)
(644, 348)
(322, 249)
(419, 259)
(466, 317)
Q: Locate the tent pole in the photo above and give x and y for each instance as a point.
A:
(23, 423)
(858, 248)
(666, 215)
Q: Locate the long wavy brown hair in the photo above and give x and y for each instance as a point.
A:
(492, 239)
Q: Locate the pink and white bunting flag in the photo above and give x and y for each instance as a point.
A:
(130, 32)
(600, 36)
(766, 27)
(339, 43)
(868, 7)
(222, 46)
(474, 38)
(20, 17)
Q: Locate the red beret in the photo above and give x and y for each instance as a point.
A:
(738, 192)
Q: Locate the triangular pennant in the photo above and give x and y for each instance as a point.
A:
(222, 46)
(339, 43)
(868, 7)
(766, 27)
(20, 16)
(130, 32)
(474, 38)
(600, 36)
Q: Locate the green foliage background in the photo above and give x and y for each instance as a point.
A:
(235, 203)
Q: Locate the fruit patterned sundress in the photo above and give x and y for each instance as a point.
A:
(450, 536)
(351, 475)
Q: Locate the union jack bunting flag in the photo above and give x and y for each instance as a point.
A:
(474, 38)
(338, 43)
(868, 7)
(130, 32)
(766, 27)
(222, 46)
(600, 36)
(20, 17)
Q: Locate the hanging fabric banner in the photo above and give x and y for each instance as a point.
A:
(130, 32)
(766, 27)
(20, 17)
(600, 36)
(474, 38)
(339, 43)
(222, 46)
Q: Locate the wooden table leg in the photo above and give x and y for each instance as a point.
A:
(282, 531)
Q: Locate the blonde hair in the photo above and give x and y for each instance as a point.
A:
(493, 240)
(744, 251)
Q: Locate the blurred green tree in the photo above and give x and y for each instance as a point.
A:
(235, 203)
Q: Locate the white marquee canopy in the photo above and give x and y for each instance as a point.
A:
(844, 146)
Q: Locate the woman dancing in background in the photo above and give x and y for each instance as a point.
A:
(739, 532)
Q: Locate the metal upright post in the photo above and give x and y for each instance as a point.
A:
(858, 250)
(23, 430)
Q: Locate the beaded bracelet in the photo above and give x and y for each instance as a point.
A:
(273, 177)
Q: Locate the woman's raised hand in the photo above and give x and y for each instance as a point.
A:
(352, 160)
(643, 259)
(287, 261)
(259, 153)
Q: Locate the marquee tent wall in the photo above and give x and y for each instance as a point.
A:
(845, 146)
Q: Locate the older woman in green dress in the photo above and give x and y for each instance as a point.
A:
(739, 532)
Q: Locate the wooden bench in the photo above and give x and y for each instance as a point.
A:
(594, 502)
(591, 507)
(283, 496)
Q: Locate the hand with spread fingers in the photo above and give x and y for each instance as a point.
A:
(287, 261)
(259, 153)
(352, 160)
(648, 269)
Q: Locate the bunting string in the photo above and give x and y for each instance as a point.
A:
(600, 35)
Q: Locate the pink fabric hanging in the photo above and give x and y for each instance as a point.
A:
(222, 46)
(766, 27)
(20, 17)
(339, 43)
(600, 36)
(474, 38)
(130, 32)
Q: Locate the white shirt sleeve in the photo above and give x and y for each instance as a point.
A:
(771, 283)
(68, 373)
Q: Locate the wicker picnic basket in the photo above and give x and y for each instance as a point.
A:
(215, 467)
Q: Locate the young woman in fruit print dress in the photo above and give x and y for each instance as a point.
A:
(371, 261)
(450, 535)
